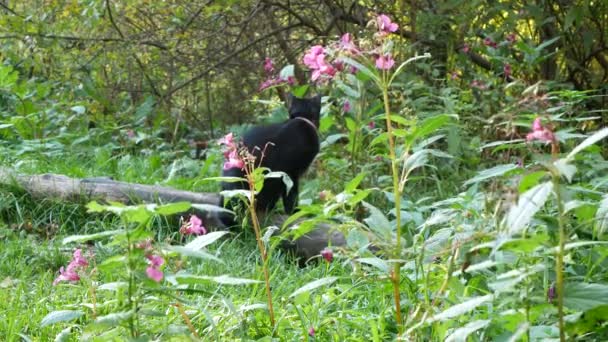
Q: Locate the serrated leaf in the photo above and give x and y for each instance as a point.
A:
(595, 137)
(60, 316)
(314, 285)
(529, 203)
(362, 68)
(89, 237)
(408, 61)
(585, 296)
(493, 172)
(461, 334)
(462, 308)
(205, 240)
(78, 109)
(378, 222)
(64, 335)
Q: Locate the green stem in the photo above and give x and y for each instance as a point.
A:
(263, 251)
(396, 276)
(559, 259)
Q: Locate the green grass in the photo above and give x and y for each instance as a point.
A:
(31, 253)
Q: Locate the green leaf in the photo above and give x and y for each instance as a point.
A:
(314, 285)
(287, 71)
(363, 69)
(89, 237)
(601, 216)
(597, 136)
(210, 208)
(193, 253)
(378, 222)
(530, 180)
(223, 279)
(429, 125)
(376, 262)
(565, 169)
(346, 89)
(173, 208)
(585, 296)
(493, 172)
(300, 91)
(354, 183)
(461, 308)
(114, 319)
(280, 174)
(461, 334)
(60, 316)
(114, 286)
(64, 335)
(529, 203)
(205, 240)
(78, 109)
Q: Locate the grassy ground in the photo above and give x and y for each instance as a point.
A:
(31, 254)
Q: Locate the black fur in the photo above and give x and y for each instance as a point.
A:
(290, 146)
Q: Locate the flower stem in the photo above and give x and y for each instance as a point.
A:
(559, 259)
(263, 251)
(395, 274)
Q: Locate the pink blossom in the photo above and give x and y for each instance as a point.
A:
(155, 260)
(315, 61)
(323, 195)
(489, 42)
(385, 62)
(268, 65)
(145, 245)
(346, 107)
(70, 273)
(347, 45)
(479, 85)
(310, 58)
(371, 125)
(327, 254)
(385, 25)
(466, 48)
(228, 139)
(193, 227)
(153, 271)
(541, 133)
(311, 332)
(507, 70)
(511, 38)
(154, 274)
(234, 160)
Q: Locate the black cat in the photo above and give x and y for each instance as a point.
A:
(289, 147)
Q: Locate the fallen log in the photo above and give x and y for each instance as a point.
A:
(70, 189)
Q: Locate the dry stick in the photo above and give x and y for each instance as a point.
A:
(181, 310)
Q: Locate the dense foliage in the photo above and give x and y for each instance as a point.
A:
(463, 158)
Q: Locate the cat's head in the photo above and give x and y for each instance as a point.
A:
(308, 108)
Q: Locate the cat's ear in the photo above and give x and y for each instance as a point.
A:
(317, 99)
(289, 100)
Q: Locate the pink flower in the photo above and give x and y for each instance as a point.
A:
(541, 133)
(228, 139)
(385, 25)
(153, 271)
(454, 75)
(193, 227)
(311, 332)
(154, 274)
(234, 160)
(268, 65)
(385, 62)
(327, 254)
(371, 125)
(70, 273)
(146, 245)
(489, 42)
(479, 85)
(466, 48)
(507, 70)
(323, 195)
(511, 38)
(310, 58)
(346, 107)
(347, 45)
